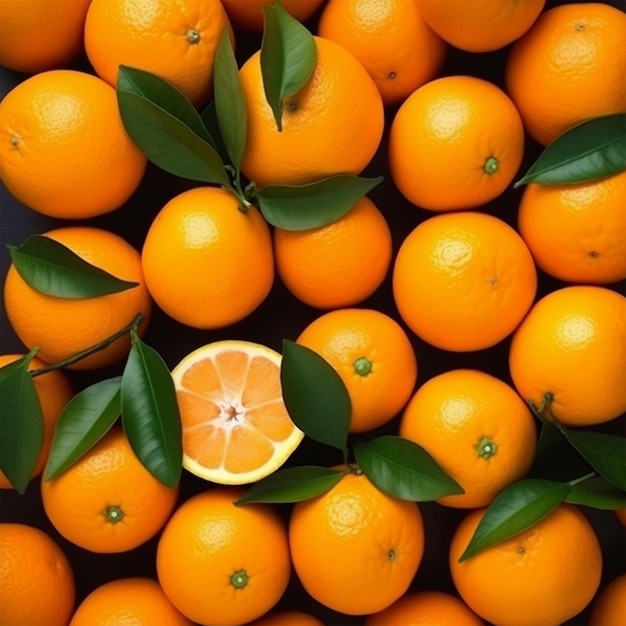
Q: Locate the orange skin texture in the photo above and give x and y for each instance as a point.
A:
(287, 618)
(248, 14)
(608, 606)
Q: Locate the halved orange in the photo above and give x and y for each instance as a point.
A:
(236, 428)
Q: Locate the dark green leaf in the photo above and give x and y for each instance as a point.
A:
(162, 125)
(598, 493)
(209, 118)
(315, 396)
(300, 207)
(51, 268)
(288, 57)
(292, 484)
(588, 151)
(84, 421)
(403, 469)
(150, 414)
(520, 506)
(21, 423)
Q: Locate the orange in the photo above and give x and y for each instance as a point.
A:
(222, 564)
(248, 14)
(576, 231)
(287, 618)
(354, 548)
(621, 515)
(425, 608)
(572, 346)
(36, 578)
(63, 327)
(337, 265)
(541, 576)
(455, 143)
(236, 428)
(608, 606)
(202, 249)
(480, 25)
(174, 40)
(477, 429)
(108, 501)
(568, 68)
(39, 35)
(126, 601)
(333, 125)
(373, 356)
(390, 39)
(54, 392)
(463, 281)
(64, 151)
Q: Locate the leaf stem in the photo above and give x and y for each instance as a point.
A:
(575, 481)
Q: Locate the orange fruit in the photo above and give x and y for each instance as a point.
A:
(477, 429)
(480, 25)
(64, 151)
(248, 14)
(354, 548)
(390, 39)
(236, 428)
(192, 255)
(39, 35)
(576, 232)
(568, 68)
(333, 125)
(608, 606)
(425, 608)
(373, 356)
(54, 392)
(455, 143)
(138, 601)
(108, 501)
(463, 281)
(572, 346)
(337, 265)
(287, 618)
(223, 564)
(36, 578)
(522, 580)
(175, 41)
(63, 327)
(621, 515)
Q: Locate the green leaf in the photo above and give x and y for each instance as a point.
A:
(518, 507)
(85, 420)
(588, 151)
(21, 423)
(403, 469)
(597, 493)
(51, 268)
(150, 414)
(300, 207)
(292, 484)
(288, 57)
(167, 128)
(209, 119)
(315, 396)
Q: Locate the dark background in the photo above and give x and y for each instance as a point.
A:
(282, 316)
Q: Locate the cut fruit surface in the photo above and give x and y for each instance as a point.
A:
(236, 428)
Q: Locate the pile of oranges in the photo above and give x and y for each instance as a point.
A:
(453, 305)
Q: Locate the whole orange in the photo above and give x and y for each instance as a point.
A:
(477, 429)
(367, 546)
(248, 14)
(568, 68)
(333, 125)
(36, 578)
(64, 151)
(107, 501)
(455, 143)
(522, 580)
(174, 40)
(390, 39)
(207, 262)
(337, 265)
(223, 564)
(569, 355)
(54, 392)
(38, 35)
(608, 606)
(463, 281)
(63, 327)
(287, 618)
(575, 232)
(374, 358)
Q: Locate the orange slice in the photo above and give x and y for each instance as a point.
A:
(236, 428)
